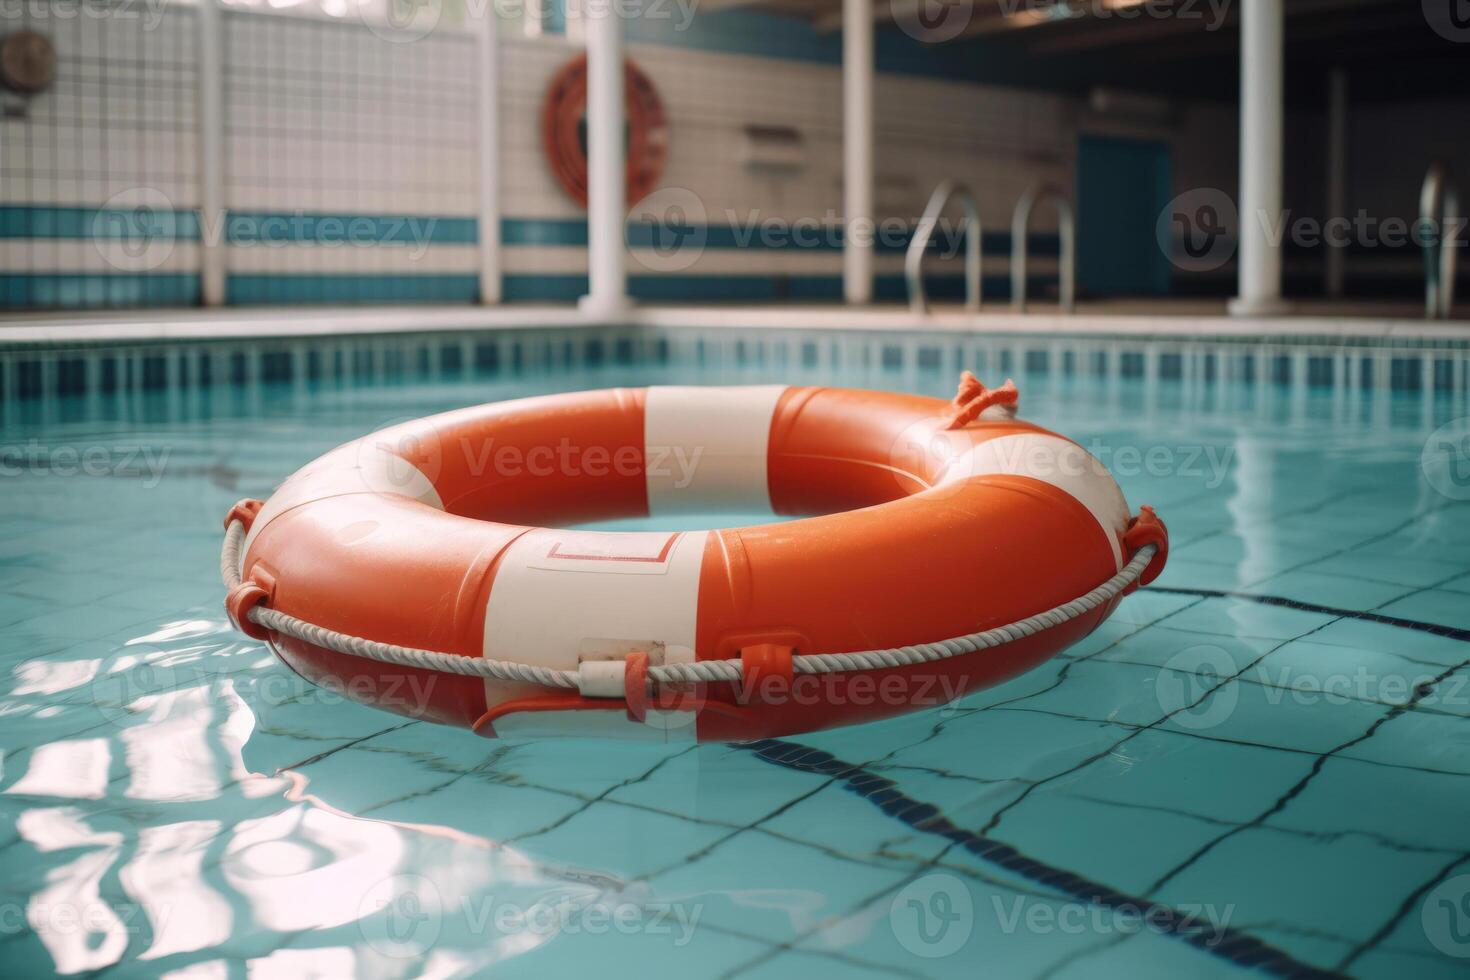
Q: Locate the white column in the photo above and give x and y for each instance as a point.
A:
(857, 150)
(606, 208)
(211, 135)
(488, 91)
(1262, 106)
(1337, 175)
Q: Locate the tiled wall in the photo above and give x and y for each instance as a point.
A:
(350, 166)
(996, 140)
(120, 117)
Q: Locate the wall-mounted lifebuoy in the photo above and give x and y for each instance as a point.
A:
(562, 116)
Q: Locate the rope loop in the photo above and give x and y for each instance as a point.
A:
(701, 671)
(972, 398)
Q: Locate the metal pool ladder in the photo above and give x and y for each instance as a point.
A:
(1439, 208)
(1020, 227)
(913, 263)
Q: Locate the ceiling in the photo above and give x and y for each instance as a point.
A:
(1178, 47)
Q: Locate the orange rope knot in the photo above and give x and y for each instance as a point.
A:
(974, 398)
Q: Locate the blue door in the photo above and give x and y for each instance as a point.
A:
(1122, 186)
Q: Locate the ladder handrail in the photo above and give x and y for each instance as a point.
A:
(913, 262)
(1020, 227)
(1439, 205)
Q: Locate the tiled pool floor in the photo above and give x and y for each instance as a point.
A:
(1261, 763)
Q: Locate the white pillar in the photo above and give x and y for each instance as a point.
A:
(211, 135)
(1262, 107)
(1337, 175)
(857, 150)
(606, 189)
(488, 91)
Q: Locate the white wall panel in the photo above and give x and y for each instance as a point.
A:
(328, 118)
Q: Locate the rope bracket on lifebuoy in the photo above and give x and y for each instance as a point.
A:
(245, 512)
(243, 599)
(766, 669)
(1146, 529)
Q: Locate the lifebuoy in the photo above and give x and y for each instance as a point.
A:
(398, 566)
(562, 114)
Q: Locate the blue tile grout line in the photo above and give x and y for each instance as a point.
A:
(1232, 945)
(1436, 629)
(1247, 950)
(1348, 896)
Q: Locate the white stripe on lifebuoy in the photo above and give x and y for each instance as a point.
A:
(560, 596)
(1059, 462)
(705, 449)
(358, 467)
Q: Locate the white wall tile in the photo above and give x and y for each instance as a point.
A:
(328, 118)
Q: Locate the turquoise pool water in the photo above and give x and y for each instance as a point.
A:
(1261, 764)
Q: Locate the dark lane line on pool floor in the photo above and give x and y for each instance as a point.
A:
(1437, 629)
(1231, 945)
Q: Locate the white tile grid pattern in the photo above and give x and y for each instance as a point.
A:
(996, 140)
(324, 118)
(120, 115)
(329, 118)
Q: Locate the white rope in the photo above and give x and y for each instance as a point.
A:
(448, 663)
(703, 670)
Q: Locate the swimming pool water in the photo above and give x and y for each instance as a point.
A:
(1261, 763)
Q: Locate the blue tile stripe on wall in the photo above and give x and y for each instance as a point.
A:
(279, 228)
(754, 288)
(246, 229)
(572, 232)
(65, 222)
(47, 290)
(274, 288)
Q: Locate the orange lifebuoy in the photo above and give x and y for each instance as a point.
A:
(562, 114)
(923, 521)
